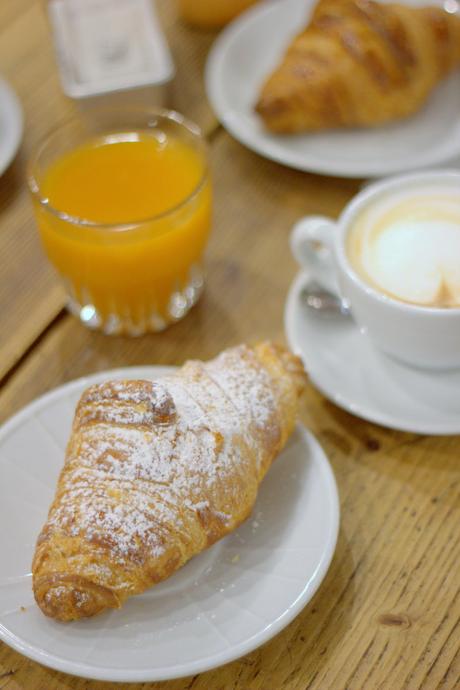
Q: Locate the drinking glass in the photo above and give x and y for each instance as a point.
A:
(135, 275)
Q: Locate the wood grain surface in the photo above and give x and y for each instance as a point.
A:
(387, 616)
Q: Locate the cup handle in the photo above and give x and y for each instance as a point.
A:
(312, 245)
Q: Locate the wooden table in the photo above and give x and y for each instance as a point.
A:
(387, 614)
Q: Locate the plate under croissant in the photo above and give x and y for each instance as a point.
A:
(224, 603)
(250, 48)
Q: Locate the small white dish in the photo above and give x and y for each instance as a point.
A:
(110, 52)
(223, 604)
(11, 124)
(346, 368)
(249, 49)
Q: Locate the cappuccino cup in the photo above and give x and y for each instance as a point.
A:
(393, 257)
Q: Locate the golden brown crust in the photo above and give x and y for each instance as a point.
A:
(360, 63)
(156, 472)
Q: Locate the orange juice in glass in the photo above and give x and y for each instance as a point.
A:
(124, 214)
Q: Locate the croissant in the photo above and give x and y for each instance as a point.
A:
(156, 471)
(360, 63)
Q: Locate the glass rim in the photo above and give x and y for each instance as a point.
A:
(154, 111)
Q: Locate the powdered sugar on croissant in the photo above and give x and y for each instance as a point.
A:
(157, 471)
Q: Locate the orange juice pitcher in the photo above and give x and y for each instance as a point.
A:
(124, 214)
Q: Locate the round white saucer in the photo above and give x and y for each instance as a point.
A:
(223, 604)
(344, 365)
(249, 49)
(11, 124)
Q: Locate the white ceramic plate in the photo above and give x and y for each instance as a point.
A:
(11, 125)
(224, 603)
(347, 369)
(248, 50)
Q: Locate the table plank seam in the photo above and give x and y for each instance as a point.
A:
(28, 351)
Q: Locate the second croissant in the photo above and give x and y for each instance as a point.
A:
(360, 63)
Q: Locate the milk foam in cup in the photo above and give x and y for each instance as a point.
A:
(408, 245)
(394, 256)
